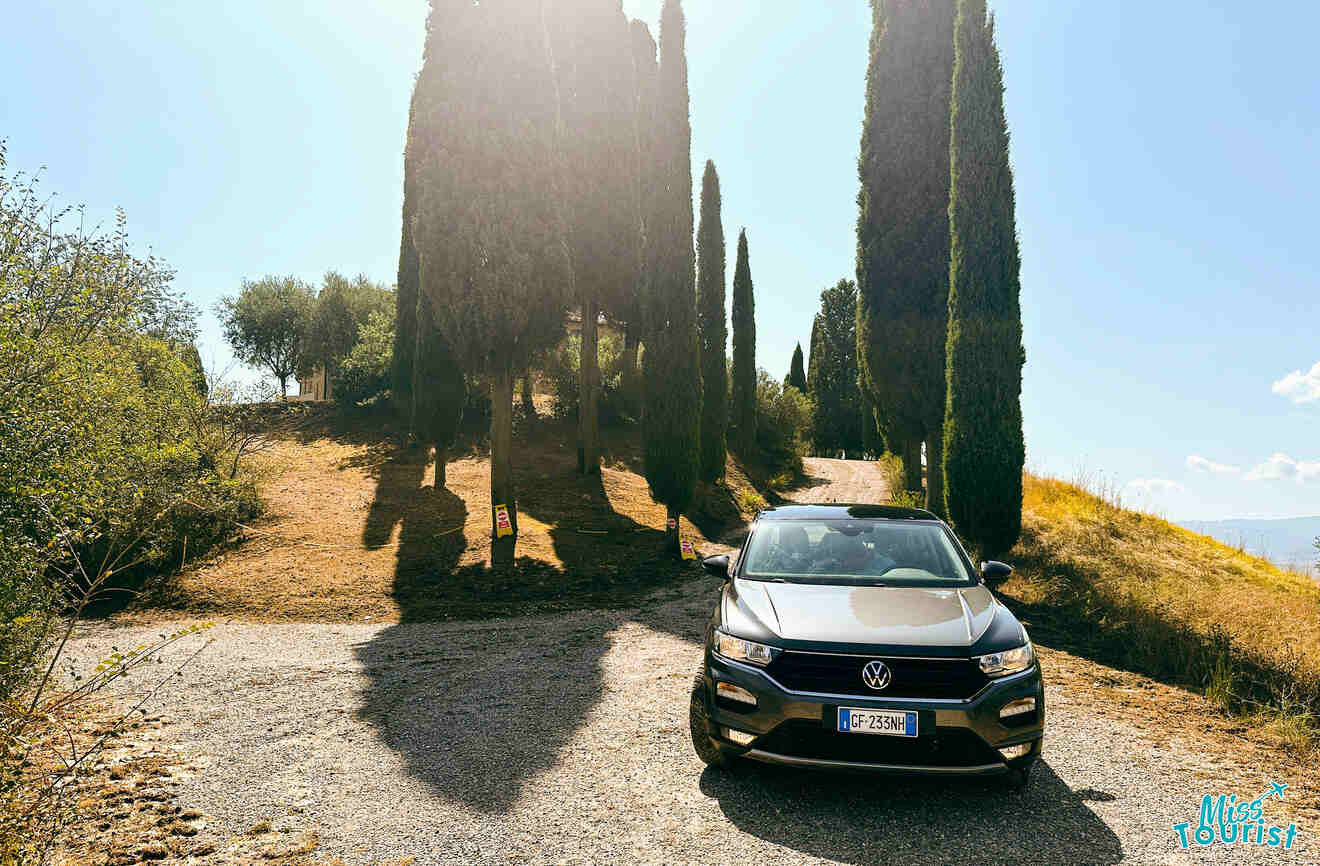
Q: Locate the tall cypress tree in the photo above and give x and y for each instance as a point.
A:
(405, 295)
(488, 233)
(714, 331)
(903, 226)
(428, 385)
(743, 372)
(672, 364)
(819, 370)
(594, 75)
(984, 451)
(836, 400)
(797, 376)
(646, 72)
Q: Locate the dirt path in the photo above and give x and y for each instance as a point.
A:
(563, 739)
(851, 481)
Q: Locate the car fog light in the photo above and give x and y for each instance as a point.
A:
(742, 738)
(1011, 752)
(733, 693)
(1017, 708)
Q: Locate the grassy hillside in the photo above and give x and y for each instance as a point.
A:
(1137, 592)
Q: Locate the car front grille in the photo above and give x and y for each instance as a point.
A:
(912, 678)
(947, 747)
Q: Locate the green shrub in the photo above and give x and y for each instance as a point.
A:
(783, 423)
(104, 461)
(365, 372)
(750, 502)
(561, 371)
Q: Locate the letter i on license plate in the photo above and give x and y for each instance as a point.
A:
(893, 723)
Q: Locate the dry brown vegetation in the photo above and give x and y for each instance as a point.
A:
(1134, 591)
(356, 530)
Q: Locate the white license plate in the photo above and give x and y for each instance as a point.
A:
(893, 723)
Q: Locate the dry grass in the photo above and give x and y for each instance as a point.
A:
(356, 530)
(1137, 592)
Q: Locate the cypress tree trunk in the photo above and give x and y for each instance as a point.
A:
(437, 390)
(672, 516)
(501, 464)
(528, 404)
(589, 391)
(630, 342)
(935, 473)
(912, 465)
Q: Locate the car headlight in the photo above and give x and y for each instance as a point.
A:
(1007, 662)
(744, 650)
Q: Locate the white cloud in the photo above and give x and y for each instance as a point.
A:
(1154, 485)
(1300, 387)
(1281, 467)
(1201, 464)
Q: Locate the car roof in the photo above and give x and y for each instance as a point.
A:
(841, 511)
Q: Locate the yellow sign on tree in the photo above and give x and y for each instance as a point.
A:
(503, 526)
(686, 548)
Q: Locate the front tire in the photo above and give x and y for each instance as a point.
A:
(703, 733)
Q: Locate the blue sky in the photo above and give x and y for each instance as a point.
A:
(1164, 156)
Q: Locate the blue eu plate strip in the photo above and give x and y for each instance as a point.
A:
(911, 728)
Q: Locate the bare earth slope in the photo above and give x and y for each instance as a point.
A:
(562, 738)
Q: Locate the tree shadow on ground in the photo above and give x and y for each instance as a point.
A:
(803, 483)
(430, 523)
(477, 710)
(895, 820)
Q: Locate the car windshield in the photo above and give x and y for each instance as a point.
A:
(855, 552)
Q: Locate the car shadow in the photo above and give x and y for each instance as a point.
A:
(886, 820)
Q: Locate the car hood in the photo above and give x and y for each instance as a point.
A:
(909, 616)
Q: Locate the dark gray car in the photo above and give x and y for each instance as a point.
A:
(862, 638)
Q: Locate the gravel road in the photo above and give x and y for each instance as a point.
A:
(830, 480)
(564, 740)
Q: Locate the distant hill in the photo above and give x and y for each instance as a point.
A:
(1288, 543)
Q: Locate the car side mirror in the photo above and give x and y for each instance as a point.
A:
(717, 565)
(994, 572)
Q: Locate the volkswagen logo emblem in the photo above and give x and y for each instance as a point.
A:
(876, 675)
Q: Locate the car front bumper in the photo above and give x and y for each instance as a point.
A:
(955, 737)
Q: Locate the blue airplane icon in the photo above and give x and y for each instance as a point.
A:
(1276, 790)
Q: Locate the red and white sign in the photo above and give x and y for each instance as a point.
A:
(688, 551)
(503, 526)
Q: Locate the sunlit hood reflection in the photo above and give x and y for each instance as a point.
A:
(871, 614)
